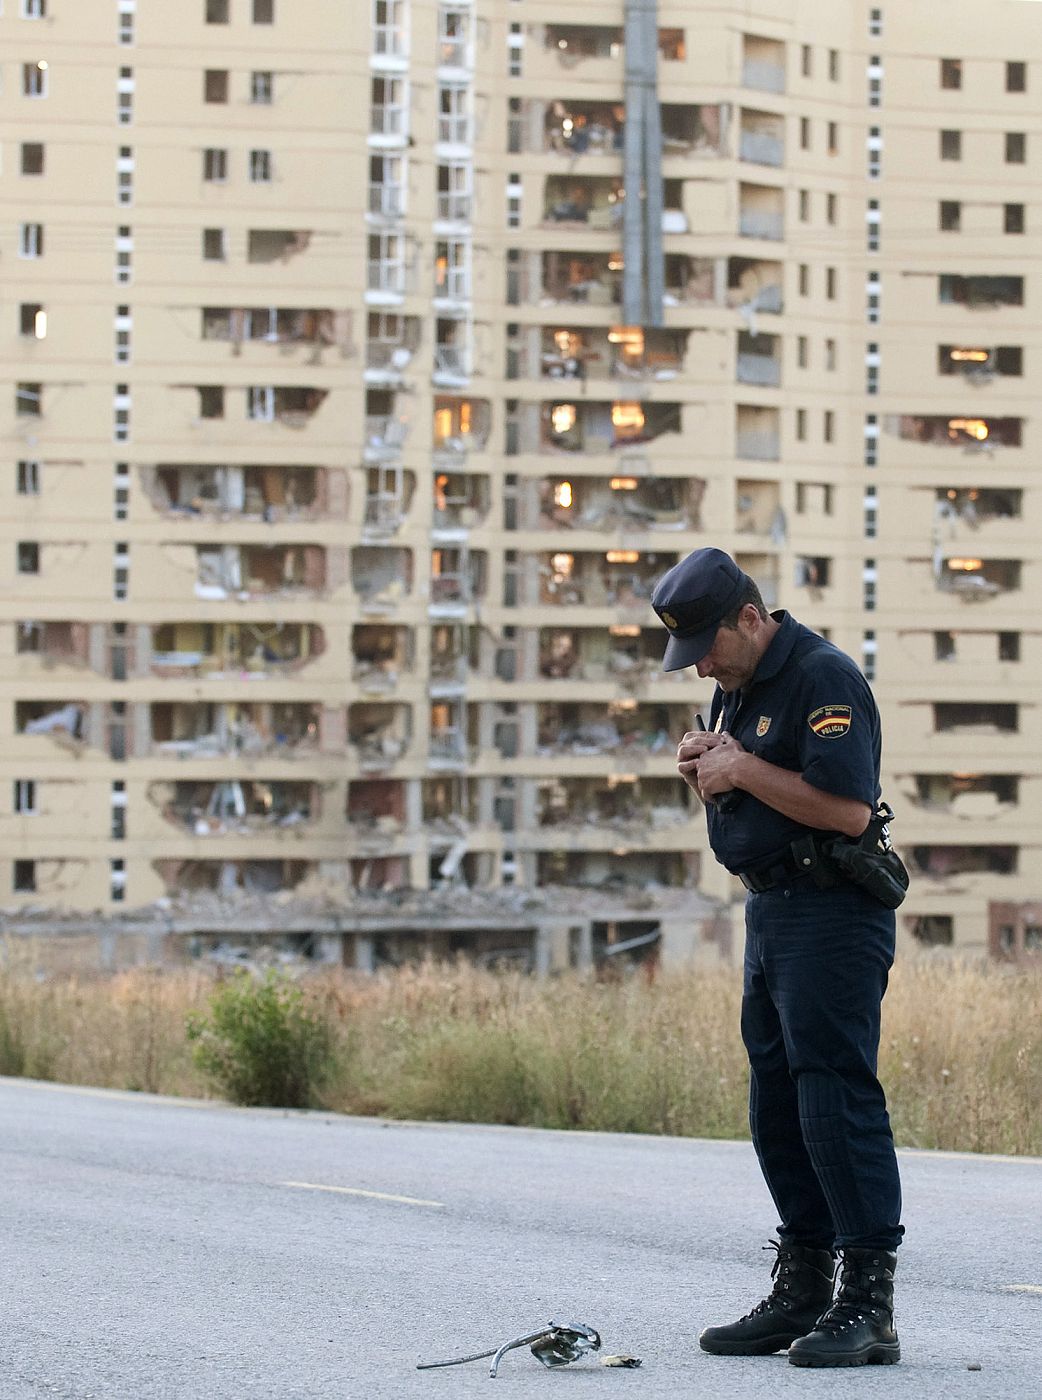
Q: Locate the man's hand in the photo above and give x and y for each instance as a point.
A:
(690, 751)
(717, 769)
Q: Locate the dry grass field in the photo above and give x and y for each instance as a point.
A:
(961, 1055)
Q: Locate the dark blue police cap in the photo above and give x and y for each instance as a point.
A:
(692, 600)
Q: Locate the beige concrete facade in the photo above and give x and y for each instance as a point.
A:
(335, 487)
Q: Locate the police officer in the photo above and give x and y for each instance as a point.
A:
(791, 759)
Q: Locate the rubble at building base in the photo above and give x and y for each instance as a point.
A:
(544, 930)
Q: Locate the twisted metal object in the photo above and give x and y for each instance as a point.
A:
(556, 1344)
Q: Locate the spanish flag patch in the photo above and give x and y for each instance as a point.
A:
(830, 721)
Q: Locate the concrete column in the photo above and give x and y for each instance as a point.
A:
(140, 730)
(528, 654)
(584, 945)
(413, 805)
(526, 791)
(486, 797)
(364, 960)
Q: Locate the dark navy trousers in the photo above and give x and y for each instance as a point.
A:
(816, 966)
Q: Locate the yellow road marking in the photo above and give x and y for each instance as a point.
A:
(357, 1191)
(1023, 1288)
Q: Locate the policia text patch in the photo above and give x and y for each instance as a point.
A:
(830, 721)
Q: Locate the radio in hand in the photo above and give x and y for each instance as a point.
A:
(724, 801)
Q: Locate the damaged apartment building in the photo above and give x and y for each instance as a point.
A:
(360, 380)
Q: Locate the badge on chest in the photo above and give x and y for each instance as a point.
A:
(762, 725)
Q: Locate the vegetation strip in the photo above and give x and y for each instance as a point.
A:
(960, 1056)
(357, 1191)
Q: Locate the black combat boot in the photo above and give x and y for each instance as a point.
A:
(801, 1293)
(858, 1329)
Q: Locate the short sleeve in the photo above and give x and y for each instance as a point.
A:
(838, 729)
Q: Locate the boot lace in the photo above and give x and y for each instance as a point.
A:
(781, 1285)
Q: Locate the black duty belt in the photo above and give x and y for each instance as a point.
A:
(802, 858)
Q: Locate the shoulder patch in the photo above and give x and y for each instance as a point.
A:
(830, 721)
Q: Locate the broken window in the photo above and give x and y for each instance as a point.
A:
(980, 291)
(264, 245)
(975, 717)
(951, 73)
(932, 930)
(28, 400)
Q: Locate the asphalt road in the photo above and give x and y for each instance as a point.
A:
(160, 1248)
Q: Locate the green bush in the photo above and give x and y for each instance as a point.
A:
(261, 1044)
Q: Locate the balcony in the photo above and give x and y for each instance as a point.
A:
(627, 805)
(761, 212)
(596, 202)
(758, 509)
(388, 498)
(381, 577)
(449, 742)
(967, 796)
(192, 729)
(52, 646)
(290, 405)
(763, 63)
(391, 342)
(764, 570)
(64, 721)
(452, 658)
(461, 502)
(231, 878)
(273, 325)
(236, 807)
(981, 364)
(971, 435)
(381, 654)
(754, 287)
(575, 128)
(276, 245)
(258, 571)
(270, 494)
(967, 718)
(757, 434)
(378, 734)
(761, 139)
(976, 580)
(624, 653)
(604, 427)
(979, 293)
(983, 512)
(376, 813)
(624, 352)
(458, 579)
(386, 425)
(460, 426)
(584, 46)
(587, 279)
(233, 650)
(615, 578)
(945, 865)
(624, 727)
(758, 360)
(625, 503)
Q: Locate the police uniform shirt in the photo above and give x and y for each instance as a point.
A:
(809, 709)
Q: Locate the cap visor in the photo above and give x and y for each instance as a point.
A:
(682, 652)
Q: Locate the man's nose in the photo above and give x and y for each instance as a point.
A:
(703, 667)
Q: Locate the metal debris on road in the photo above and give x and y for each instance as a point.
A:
(556, 1344)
